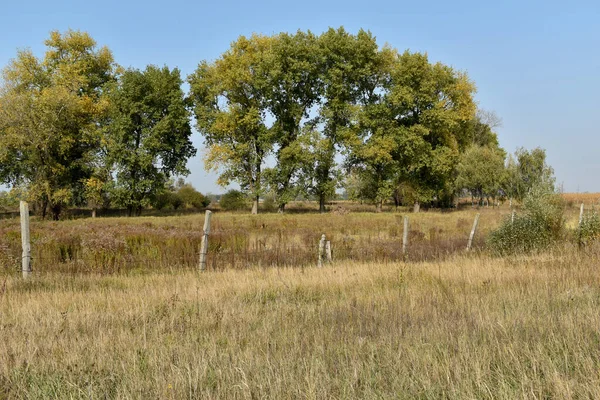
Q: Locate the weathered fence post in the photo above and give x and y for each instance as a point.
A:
(580, 216)
(328, 252)
(204, 243)
(25, 240)
(472, 235)
(321, 250)
(405, 235)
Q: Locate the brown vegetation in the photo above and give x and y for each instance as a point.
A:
(109, 245)
(468, 327)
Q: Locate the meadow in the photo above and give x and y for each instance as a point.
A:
(373, 324)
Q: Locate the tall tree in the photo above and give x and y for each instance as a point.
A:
(50, 111)
(350, 69)
(295, 86)
(148, 134)
(229, 98)
(411, 130)
(431, 100)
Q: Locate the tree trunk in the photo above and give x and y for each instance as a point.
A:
(129, 211)
(416, 206)
(44, 208)
(378, 206)
(93, 213)
(55, 209)
(255, 206)
(322, 203)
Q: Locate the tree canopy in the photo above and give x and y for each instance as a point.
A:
(50, 111)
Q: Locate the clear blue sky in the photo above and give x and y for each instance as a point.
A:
(535, 63)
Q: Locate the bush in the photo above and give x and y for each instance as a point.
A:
(540, 225)
(191, 197)
(269, 204)
(167, 200)
(589, 229)
(234, 200)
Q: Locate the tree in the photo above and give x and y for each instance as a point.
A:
(229, 98)
(294, 83)
(526, 170)
(481, 171)
(350, 68)
(410, 128)
(429, 102)
(148, 134)
(50, 112)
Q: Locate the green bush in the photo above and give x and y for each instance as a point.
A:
(167, 200)
(234, 200)
(589, 229)
(191, 197)
(269, 204)
(540, 225)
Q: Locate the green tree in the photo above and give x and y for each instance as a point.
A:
(294, 82)
(350, 66)
(428, 103)
(481, 171)
(230, 105)
(527, 169)
(148, 134)
(410, 126)
(50, 113)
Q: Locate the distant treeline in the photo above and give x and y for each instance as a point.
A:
(282, 116)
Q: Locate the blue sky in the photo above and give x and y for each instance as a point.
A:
(535, 63)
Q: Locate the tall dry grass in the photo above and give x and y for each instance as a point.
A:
(113, 245)
(575, 199)
(468, 327)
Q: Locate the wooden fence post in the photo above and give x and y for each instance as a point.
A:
(25, 240)
(472, 235)
(328, 252)
(204, 243)
(405, 235)
(321, 250)
(580, 216)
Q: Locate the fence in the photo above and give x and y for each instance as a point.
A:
(125, 246)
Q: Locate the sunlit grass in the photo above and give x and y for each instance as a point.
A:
(468, 327)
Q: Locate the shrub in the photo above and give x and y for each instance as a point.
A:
(167, 200)
(589, 229)
(191, 197)
(234, 200)
(268, 204)
(539, 226)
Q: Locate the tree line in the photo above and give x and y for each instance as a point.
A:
(285, 115)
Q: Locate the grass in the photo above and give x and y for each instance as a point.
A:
(466, 327)
(119, 245)
(116, 309)
(588, 199)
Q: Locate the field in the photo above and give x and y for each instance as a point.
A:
(371, 325)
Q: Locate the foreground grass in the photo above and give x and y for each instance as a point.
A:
(470, 327)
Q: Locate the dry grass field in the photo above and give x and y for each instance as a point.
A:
(121, 245)
(117, 309)
(589, 199)
(467, 327)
